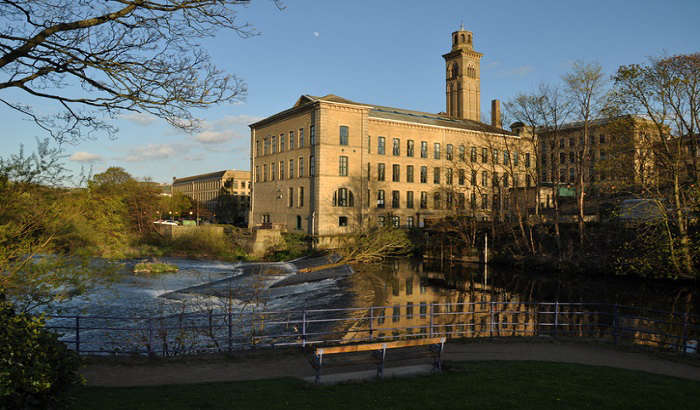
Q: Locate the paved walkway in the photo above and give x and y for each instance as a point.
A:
(270, 364)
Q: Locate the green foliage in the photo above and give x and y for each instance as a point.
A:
(293, 246)
(176, 205)
(36, 370)
(196, 243)
(32, 211)
(230, 208)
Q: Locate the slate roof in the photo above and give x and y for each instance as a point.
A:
(398, 114)
(217, 174)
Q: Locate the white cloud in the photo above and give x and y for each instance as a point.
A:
(316, 34)
(139, 118)
(521, 71)
(213, 137)
(82, 156)
(152, 152)
(195, 157)
(224, 129)
(229, 120)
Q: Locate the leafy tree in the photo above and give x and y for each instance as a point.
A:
(140, 199)
(93, 57)
(31, 222)
(230, 208)
(667, 92)
(178, 204)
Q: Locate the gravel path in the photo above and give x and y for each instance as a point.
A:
(271, 364)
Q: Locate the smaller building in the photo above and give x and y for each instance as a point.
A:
(618, 151)
(225, 195)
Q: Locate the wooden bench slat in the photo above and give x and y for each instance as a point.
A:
(379, 346)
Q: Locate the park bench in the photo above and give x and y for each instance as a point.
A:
(435, 346)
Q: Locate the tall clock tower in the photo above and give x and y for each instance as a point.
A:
(463, 70)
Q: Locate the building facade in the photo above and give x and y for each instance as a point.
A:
(328, 164)
(618, 151)
(207, 191)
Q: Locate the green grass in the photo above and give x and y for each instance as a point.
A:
(154, 267)
(478, 385)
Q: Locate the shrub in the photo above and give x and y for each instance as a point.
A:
(372, 244)
(293, 246)
(36, 369)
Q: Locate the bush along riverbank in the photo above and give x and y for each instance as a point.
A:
(610, 248)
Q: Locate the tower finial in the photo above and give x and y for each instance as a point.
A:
(461, 25)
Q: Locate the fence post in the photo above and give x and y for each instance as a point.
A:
(230, 332)
(77, 334)
(615, 324)
(432, 311)
(490, 319)
(371, 320)
(150, 336)
(303, 329)
(556, 317)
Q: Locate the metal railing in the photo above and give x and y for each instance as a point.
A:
(212, 331)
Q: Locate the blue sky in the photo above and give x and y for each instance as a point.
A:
(380, 52)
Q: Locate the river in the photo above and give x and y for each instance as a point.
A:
(406, 290)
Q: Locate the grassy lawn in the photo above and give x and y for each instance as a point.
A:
(478, 385)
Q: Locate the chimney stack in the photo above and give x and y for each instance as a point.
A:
(496, 113)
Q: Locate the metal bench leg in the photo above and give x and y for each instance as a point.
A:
(437, 359)
(380, 365)
(318, 359)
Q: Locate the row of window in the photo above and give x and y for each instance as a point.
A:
(273, 144)
(569, 175)
(449, 152)
(198, 185)
(572, 141)
(344, 197)
(281, 170)
(437, 172)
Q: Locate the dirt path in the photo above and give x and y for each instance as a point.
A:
(269, 364)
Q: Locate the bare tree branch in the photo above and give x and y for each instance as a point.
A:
(135, 55)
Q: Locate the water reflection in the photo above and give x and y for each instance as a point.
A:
(416, 299)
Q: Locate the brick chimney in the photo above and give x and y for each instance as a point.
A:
(496, 113)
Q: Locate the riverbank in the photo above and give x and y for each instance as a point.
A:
(265, 364)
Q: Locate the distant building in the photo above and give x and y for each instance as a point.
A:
(619, 151)
(230, 188)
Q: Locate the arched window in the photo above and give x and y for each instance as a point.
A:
(455, 40)
(462, 38)
(469, 38)
(343, 197)
(455, 70)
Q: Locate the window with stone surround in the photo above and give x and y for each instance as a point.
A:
(344, 135)
(343, 166)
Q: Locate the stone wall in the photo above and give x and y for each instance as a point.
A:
(173, 231)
